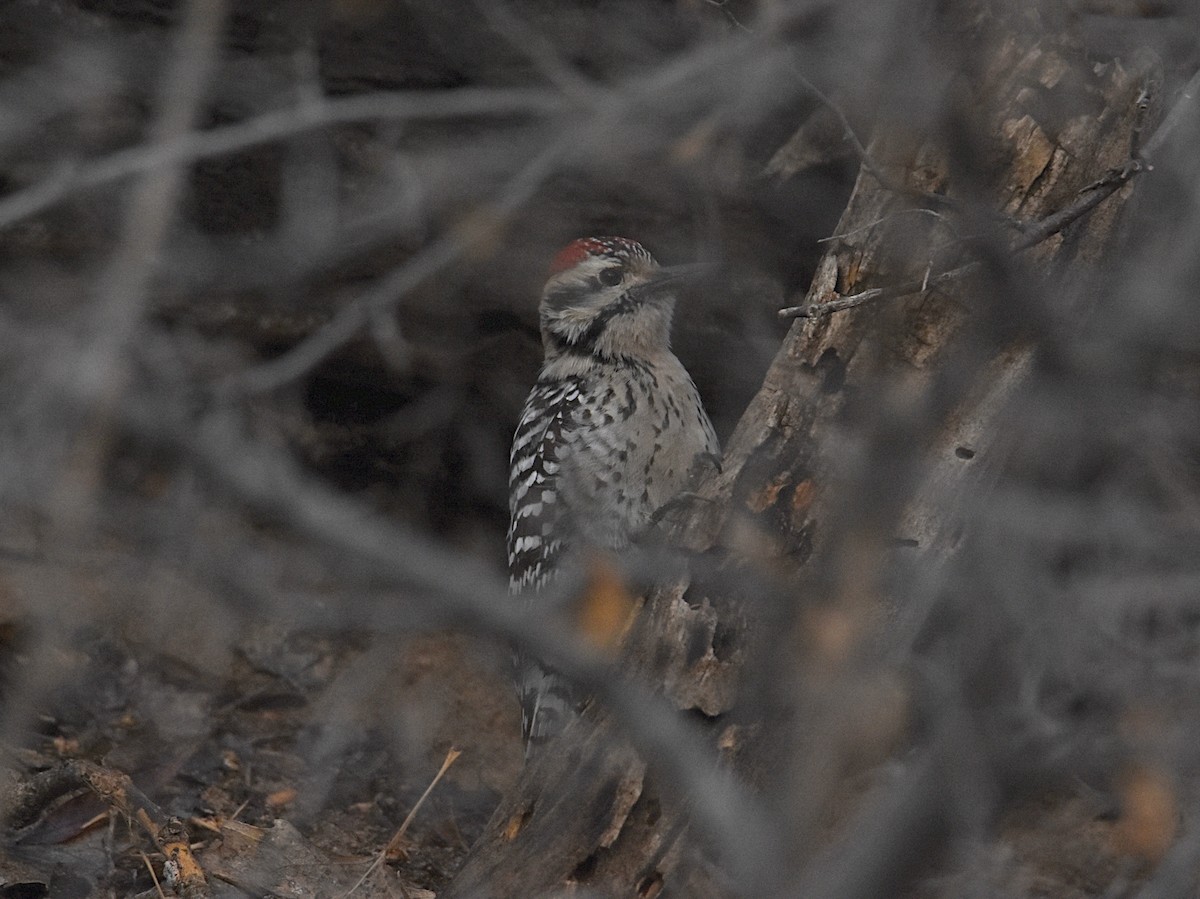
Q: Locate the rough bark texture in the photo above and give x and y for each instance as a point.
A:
(1049, 122)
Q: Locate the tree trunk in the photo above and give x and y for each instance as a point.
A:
(1044, 120)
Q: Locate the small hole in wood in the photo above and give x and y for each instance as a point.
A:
(653, 811)
(724, 641)
(964, 452)
(584, 870)
(698, 641)
(650, 885)
(833, 371)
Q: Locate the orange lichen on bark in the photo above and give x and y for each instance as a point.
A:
(1149, 814)
(606, 608)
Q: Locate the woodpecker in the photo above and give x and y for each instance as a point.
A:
(608, 434)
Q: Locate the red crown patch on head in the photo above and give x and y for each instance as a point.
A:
(578, 250)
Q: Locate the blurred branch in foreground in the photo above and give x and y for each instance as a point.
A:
(268, 314)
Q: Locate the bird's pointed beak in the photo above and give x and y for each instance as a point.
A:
(670, 276)
(673, 273)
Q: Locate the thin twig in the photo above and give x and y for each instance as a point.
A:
(392, 288)
(1181, 108)
(124, 284)
(907, 288)
(541, 52)
(309, 115)
(1148, 96)
(451, 758)
(149, 867)
(866, 160)
(1092, 197)
(678, 75)
(850, 134)
(1089, 198)
(941, 219)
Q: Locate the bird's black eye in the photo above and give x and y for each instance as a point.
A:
(611, 276)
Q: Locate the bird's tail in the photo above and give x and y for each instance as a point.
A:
(548, 702)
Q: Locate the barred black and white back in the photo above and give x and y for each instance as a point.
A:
(607, 436)
(533, 544)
